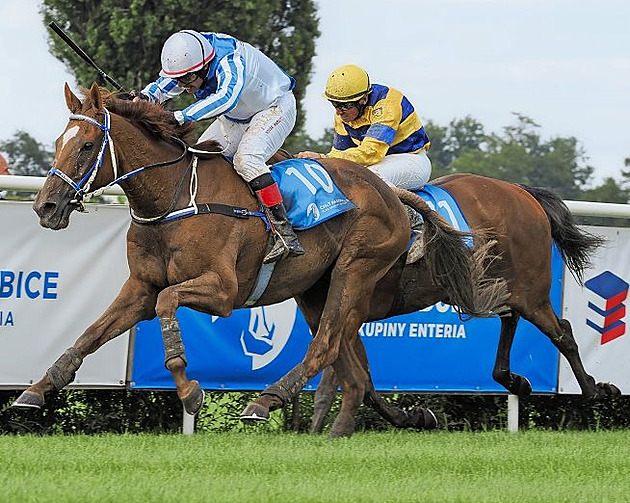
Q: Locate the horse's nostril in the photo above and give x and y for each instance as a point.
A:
(47, 208)
(50, 207)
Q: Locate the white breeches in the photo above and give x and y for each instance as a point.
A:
(252, 144)
(407, 171)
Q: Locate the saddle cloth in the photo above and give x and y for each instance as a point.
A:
(310, 194)
(444, 203)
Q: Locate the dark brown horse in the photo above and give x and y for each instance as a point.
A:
(524, 221)
(210, 261)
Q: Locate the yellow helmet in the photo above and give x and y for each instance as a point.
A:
(347, 83)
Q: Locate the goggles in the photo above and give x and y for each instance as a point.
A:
(344, 105)
(188, 78)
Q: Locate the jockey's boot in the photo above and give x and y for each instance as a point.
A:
(417, 249)
(286, 242)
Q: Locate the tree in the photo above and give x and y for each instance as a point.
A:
(125, 37)
(26, 155)
(521, 155)
(301, 141)
(448, 143)
(610, 192)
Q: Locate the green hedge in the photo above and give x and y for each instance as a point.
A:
(123, 411)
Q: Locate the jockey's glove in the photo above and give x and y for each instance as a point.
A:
(171, 115)
(137, 94)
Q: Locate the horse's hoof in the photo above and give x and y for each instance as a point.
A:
(424, 419)
(193, 400)
(255, 413)
(316, 428)
(341, 431)
(606, 389)
(29, 400)
(524, 387)
(518, 385)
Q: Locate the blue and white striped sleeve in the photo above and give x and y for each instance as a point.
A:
(162, 89)
(230, 83)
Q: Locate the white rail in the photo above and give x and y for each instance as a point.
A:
(34, 183)
(593, 209)
(580, 208)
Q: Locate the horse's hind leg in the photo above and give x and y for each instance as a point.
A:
(135, 302)
(323, 399)
(501, 373)
(352, 378)
(561, 334)
(347, 307)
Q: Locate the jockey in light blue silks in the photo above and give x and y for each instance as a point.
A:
(253, 102)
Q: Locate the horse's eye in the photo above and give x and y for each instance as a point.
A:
(88, 145)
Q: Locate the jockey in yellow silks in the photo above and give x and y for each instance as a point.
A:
(377, 127)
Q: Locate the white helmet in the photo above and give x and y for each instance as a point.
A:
(184, 52)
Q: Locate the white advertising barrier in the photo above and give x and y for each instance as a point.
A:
(597, 312)
(53, 285)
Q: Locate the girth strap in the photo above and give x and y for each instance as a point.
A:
(205, 208)
(226, 209)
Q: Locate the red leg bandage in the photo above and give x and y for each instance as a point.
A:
(270, 196)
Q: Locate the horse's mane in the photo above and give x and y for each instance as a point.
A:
(145, 113)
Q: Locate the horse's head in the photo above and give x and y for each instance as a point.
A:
(79, 153)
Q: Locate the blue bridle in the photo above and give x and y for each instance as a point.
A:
(82, 187)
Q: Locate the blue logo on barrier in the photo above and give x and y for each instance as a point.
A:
(268, 332)
(250, 349)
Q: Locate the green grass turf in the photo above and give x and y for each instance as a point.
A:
(535, 466)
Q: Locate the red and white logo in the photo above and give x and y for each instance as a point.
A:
(606, 294)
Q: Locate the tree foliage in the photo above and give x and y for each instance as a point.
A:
(26, 155)
(518, 154)
(301, 141)
(125, 37)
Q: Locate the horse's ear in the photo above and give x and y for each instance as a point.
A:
(74, 103)
(95, 94)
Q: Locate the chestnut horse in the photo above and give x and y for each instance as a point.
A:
(211, 261)
(524, 221)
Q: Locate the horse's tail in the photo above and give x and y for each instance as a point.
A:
(454, 267)
(576, 246)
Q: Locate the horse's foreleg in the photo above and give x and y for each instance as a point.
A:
(501, 373)
(135, 302)
(205, 294)
(419, 418)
